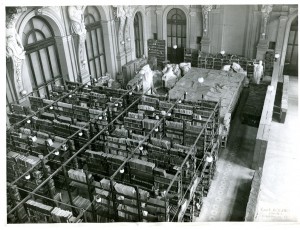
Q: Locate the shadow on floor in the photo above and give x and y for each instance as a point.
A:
(240, 204)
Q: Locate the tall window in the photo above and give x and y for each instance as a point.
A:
(138, 34)
(41, 55)
(94, 42)
(291, 58)
(176, 35)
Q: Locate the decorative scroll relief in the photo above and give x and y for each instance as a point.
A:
(124, 14)
(78, 28)
(266, 10)
(205, 10)
(14, 47)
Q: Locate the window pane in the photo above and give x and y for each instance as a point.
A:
(43, 92)
(183, 30)
(88, 44)
(97, 63)
(102, 59)
(179, 42)
(296, 41)
(45, 63)
(100, 40)
(31, 39)
(37, 68)
(291, 37)
(173, 30)
(169, 42)
(53, 60)
(94, 43)
(169, 30)
(37, 23)
(183, 42)
(39, 36)
(179, 31)
(92, 67)
(30, 71)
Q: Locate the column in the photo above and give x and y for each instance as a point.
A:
(193, 24)
(263, 44)
(159, 22)
(280, 46)
(110, 39)
(79, 35)
(205, 44)
(15, 54)
(66, 57)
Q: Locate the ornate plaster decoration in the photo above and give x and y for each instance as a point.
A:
(205, 10)
(78, 28)
(14, 47)
(266, 10)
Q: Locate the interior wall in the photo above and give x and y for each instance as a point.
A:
(234, 29)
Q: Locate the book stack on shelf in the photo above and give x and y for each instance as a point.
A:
(98, 100)
(149, 124)
(14, 118)
(39, 212)
(174, 131)
(147, 110)
(182, 112)
(146, 100)
(81, 113)
(117, 146)
(35, 103)
(156, 48)
(85, 204)
(63, 216)
(97, 162)
(13, 197)
(19, 109)
(134, 122)
(158, 152)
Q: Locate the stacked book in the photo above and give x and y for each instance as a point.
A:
(61, 216)
(134, 122)
(174, 131)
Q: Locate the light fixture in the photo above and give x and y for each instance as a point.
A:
(56, 153)
(200, 80)
(122, 42)
(209, 159)
(64, 147)
(33, 139)
(179, 101)
(122, 171)
(23, 93)
(222, 52)
(98, 199)
(27, 177)
(100, 117)
(263, 34)
(169, 114)
(116, 104)
(163, 112)
(51, 107)
(141, 148)
(130, 93)
(28, 121)
(175, 47)
(156, 129)
(145, 213)
(277, 56)
(80, 134)
(156, 117)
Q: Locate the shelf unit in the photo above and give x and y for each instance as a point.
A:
(157, 48)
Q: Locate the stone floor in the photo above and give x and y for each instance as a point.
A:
(279, 198)
(228, 196)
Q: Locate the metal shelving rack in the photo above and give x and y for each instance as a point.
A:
(171, 194)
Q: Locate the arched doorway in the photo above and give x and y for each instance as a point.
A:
(176, 35)
(94, 42)
(291, 58)
(41, 55)
(138, 35)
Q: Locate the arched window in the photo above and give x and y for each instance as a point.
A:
(94, 42)
(176, 35)
(41, 55)
(138, 35)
